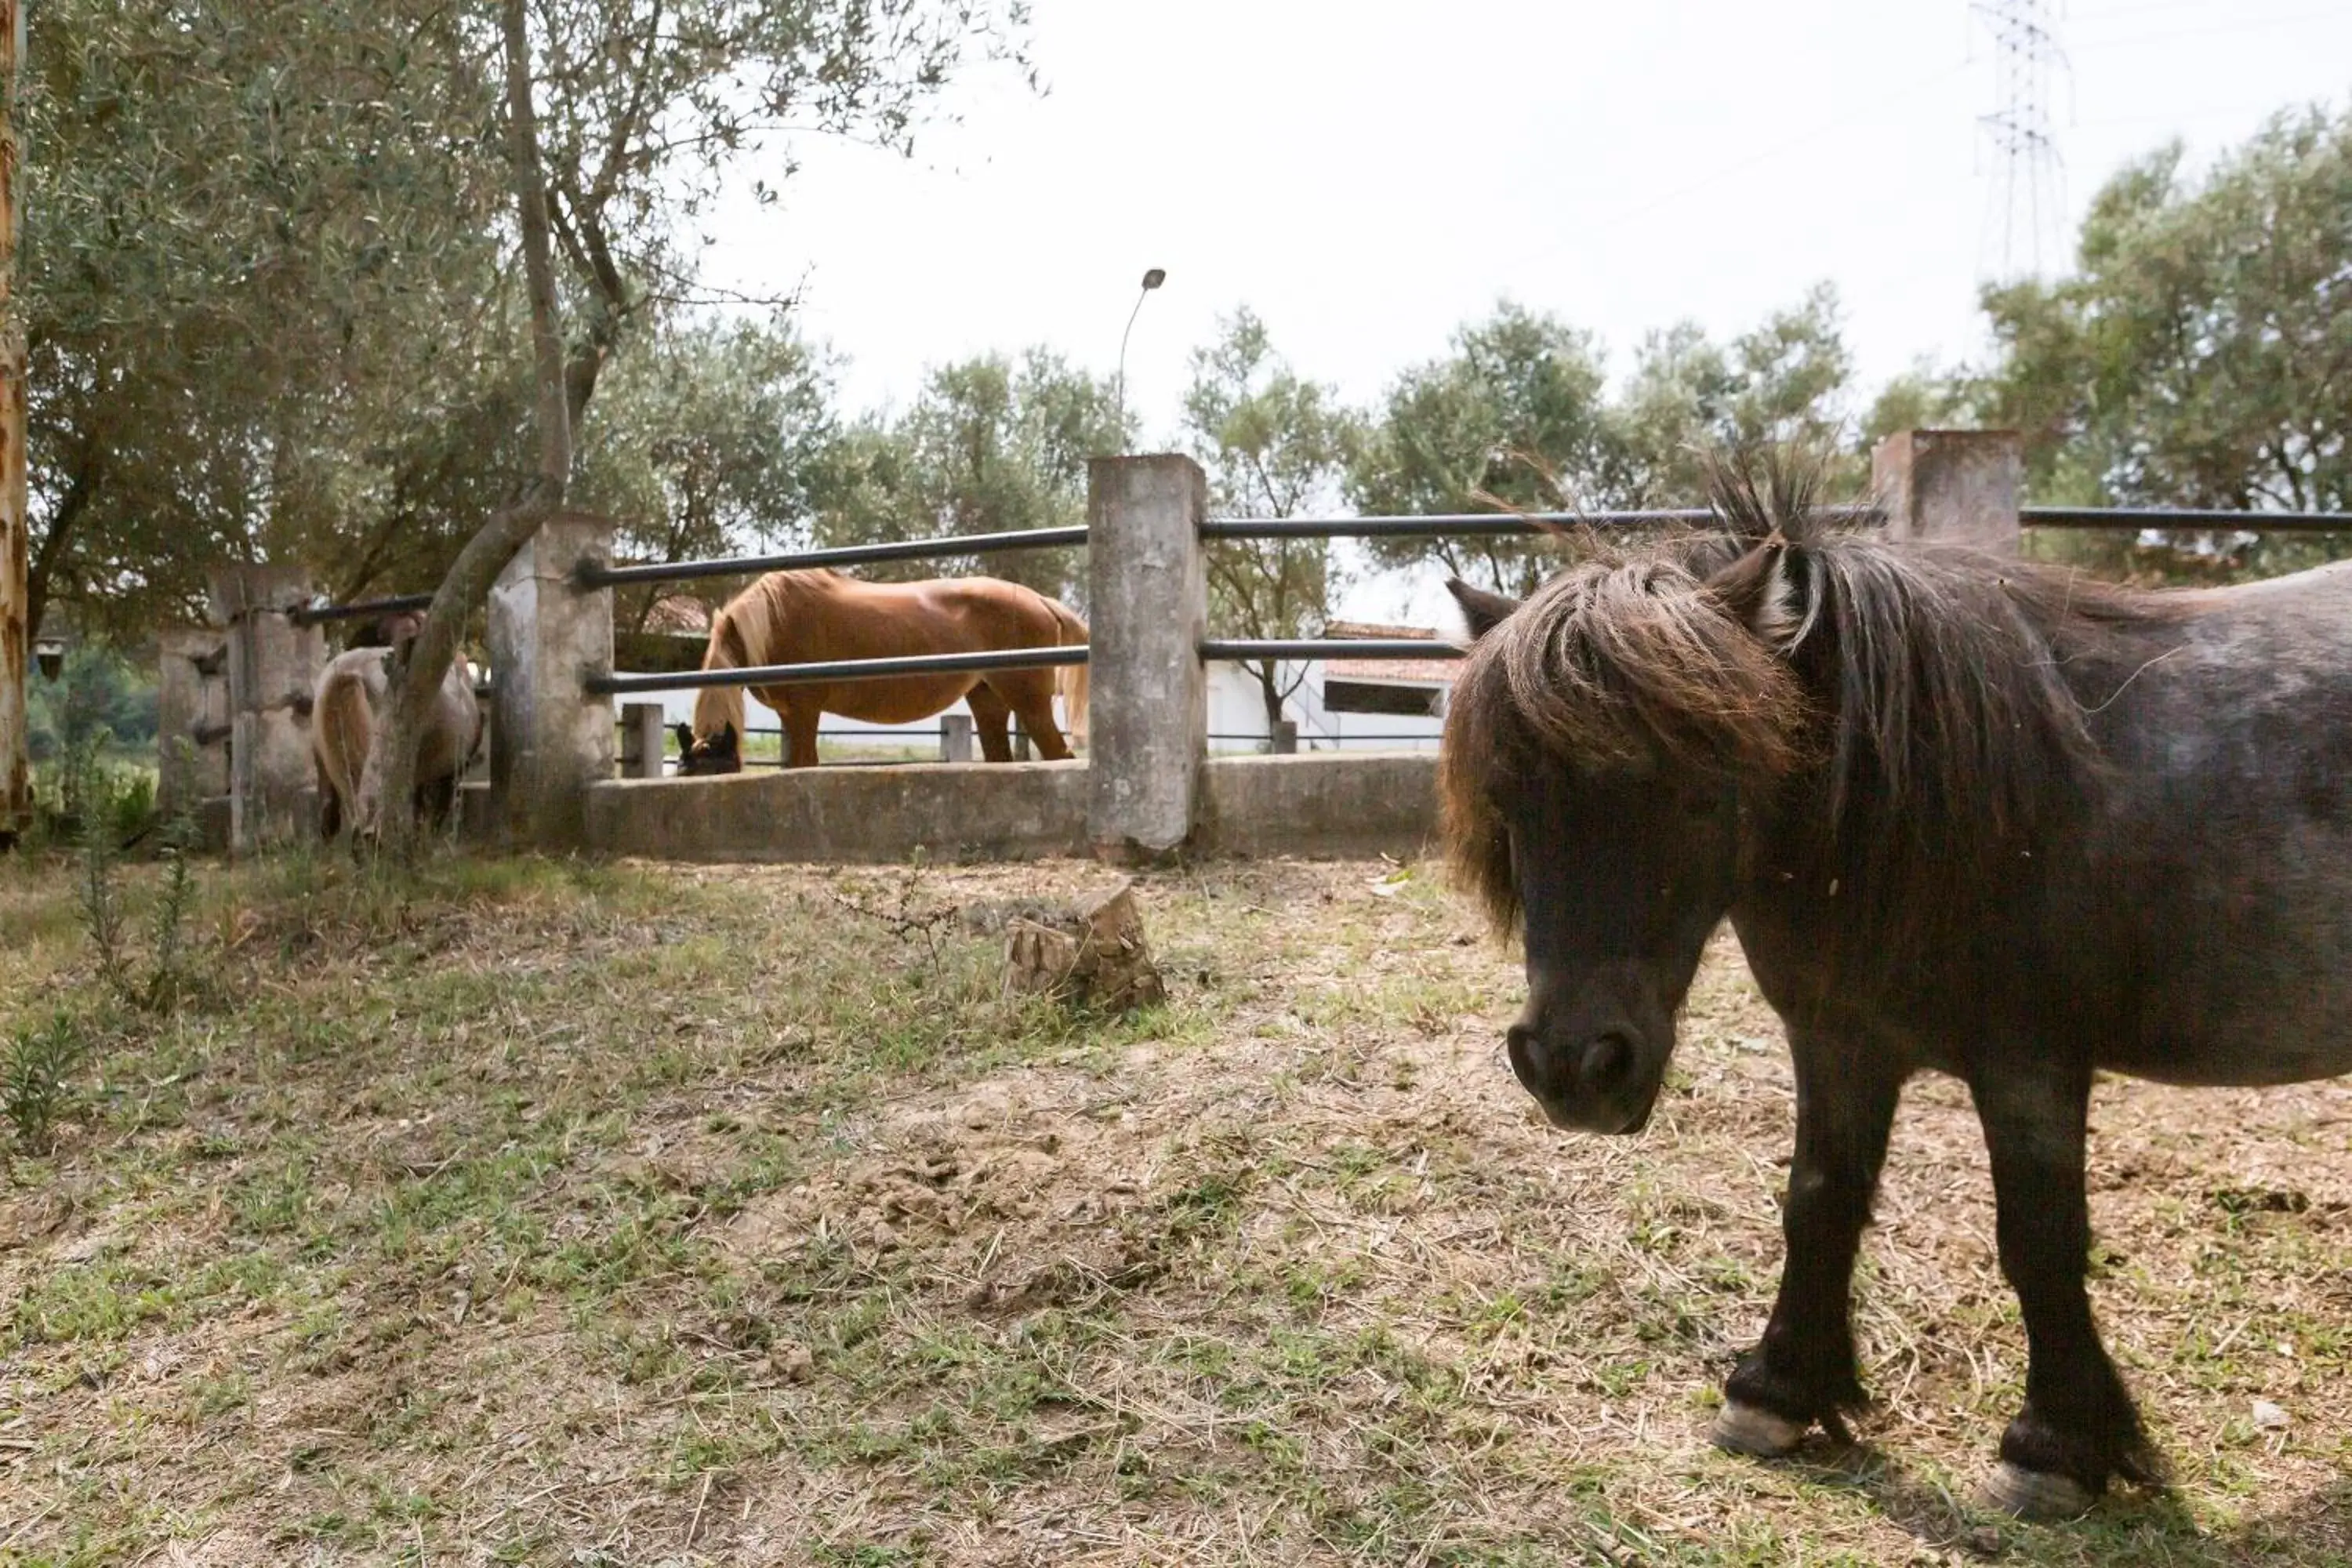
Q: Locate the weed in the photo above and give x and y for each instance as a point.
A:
(106, 919)
(909, 916)
(34, 1074)
(102, 917)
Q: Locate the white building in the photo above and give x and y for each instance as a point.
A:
(1342, 704)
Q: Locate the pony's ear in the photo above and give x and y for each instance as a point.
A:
(727, 734)
(1758, 592)
(1481, 610)
(685, 733)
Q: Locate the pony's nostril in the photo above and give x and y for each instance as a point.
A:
(1607, 1061)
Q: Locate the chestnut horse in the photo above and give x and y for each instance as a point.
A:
(802, 617)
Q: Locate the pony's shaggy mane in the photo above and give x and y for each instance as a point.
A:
(1925, 693)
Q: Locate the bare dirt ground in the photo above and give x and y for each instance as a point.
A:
(533, 1214)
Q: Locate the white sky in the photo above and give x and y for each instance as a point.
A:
(1367, 175)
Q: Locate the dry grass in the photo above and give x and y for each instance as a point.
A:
(530, 1213)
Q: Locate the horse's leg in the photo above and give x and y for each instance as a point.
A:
(801, 721)
(989, 715)
(1033, 698)
(1804, 1370)
(2078, 1429)
(330, 805)
(434, 800)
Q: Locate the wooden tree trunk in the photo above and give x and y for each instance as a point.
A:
(467, 584)
(1094, 957)
(16, 526)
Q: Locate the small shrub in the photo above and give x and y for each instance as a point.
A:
(34, 1071)
(167, 976)
(108, 924)
(102, 917)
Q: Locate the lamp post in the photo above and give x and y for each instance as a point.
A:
(1151, 280)
(49, 653)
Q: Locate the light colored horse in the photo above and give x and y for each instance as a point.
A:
(343, 708)
(800, 617)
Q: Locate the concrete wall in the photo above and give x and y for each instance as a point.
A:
(996, 810)
(1326, 805)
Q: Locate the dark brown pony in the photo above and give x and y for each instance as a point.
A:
(1969, 814)
(800, 617)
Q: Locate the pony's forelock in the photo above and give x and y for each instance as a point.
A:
(1634, 665)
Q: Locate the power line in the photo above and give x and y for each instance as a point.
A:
(2218, 29)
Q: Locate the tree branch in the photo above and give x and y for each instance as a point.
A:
(78, 494)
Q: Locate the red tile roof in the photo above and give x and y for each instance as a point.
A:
(1386, 671)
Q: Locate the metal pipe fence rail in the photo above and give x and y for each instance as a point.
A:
(592, 574)
(916, 739)
(358, 609)
(839, 669)
(1491, 525)
(1236, 648)
(2185, 518)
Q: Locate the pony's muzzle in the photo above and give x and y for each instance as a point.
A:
(1591, 1082)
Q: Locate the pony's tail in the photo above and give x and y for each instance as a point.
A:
(342, 731)
(1070, 681)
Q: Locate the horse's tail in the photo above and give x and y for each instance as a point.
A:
(1071, 679)
(342, 729)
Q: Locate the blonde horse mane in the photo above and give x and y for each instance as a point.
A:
(1070, 681)
(744, 632)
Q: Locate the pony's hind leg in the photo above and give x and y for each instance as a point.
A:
(990, 714)
(1803, 1372)
(2078, 1429)
(1033, 698)
(331, 806)
(436, 800)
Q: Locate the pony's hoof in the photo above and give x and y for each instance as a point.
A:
(2033, 1494)
(1758, 1432)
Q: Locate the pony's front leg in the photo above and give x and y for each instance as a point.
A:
(2078, 1429)
(801, 723)
(1804, 1372)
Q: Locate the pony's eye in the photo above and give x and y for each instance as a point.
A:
(1697, 803)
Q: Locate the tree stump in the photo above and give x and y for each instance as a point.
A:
(1094, 957)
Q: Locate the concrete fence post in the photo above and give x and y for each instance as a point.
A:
(641, 740)
(550, 739)
(273, 666)
(192, 721)
(1956, 486)
(955, 737)
(1147, 608)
